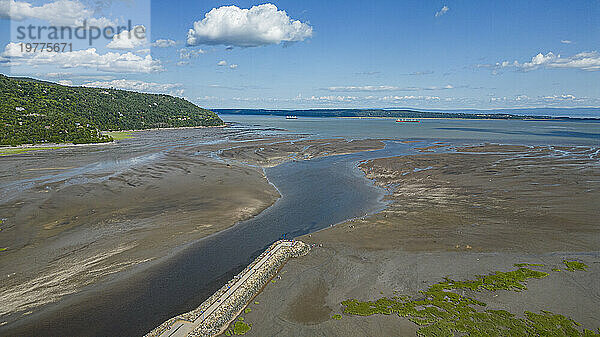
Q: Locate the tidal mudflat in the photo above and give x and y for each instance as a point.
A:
(115, 239)
(456, 213)
(81, 226)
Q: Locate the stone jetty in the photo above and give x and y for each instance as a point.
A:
(215, 314)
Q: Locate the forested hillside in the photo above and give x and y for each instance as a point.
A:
(35, 112)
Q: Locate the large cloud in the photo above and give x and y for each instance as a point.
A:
(140, 86)
(57, 13)
(589, 61)
(88, 58)
(258, 26)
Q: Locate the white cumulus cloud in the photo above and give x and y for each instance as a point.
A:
(442, 11)
(222, 63)
(87, 58)
(257, 26)
(233, 66)
(140, 86)
(57, 13)
(129, 39)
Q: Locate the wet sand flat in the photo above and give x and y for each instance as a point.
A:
(65, 234)
(276, 153)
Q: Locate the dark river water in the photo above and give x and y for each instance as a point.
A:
(315, 195)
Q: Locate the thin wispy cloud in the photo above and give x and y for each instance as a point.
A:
(442, 11)
(555, 100)
(368, 73)
(164, 43)
(419, 73)
(186, 54)
(379, 88)
(566, 41)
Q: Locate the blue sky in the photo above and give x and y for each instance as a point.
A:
(335, 54)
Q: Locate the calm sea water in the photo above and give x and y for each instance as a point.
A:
(315, 195)
(501, 131)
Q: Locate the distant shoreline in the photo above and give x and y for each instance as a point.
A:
(478, 119)
(172, 128)
(410, 114)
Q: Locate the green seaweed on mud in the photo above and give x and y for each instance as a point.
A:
(575, 265)
(440, 311)
(240, 327)
(337, 317)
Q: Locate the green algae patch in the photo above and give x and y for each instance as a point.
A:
(247, 310)
(240, 327)
(3, 249)
(120, 135)
(547, 323)
(19, 150)
(440, 311)
(575, 265)
(512, 280)
(337, 317)
(555, 269)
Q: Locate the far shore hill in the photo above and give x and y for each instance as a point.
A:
(554, 114)
(40, 112)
